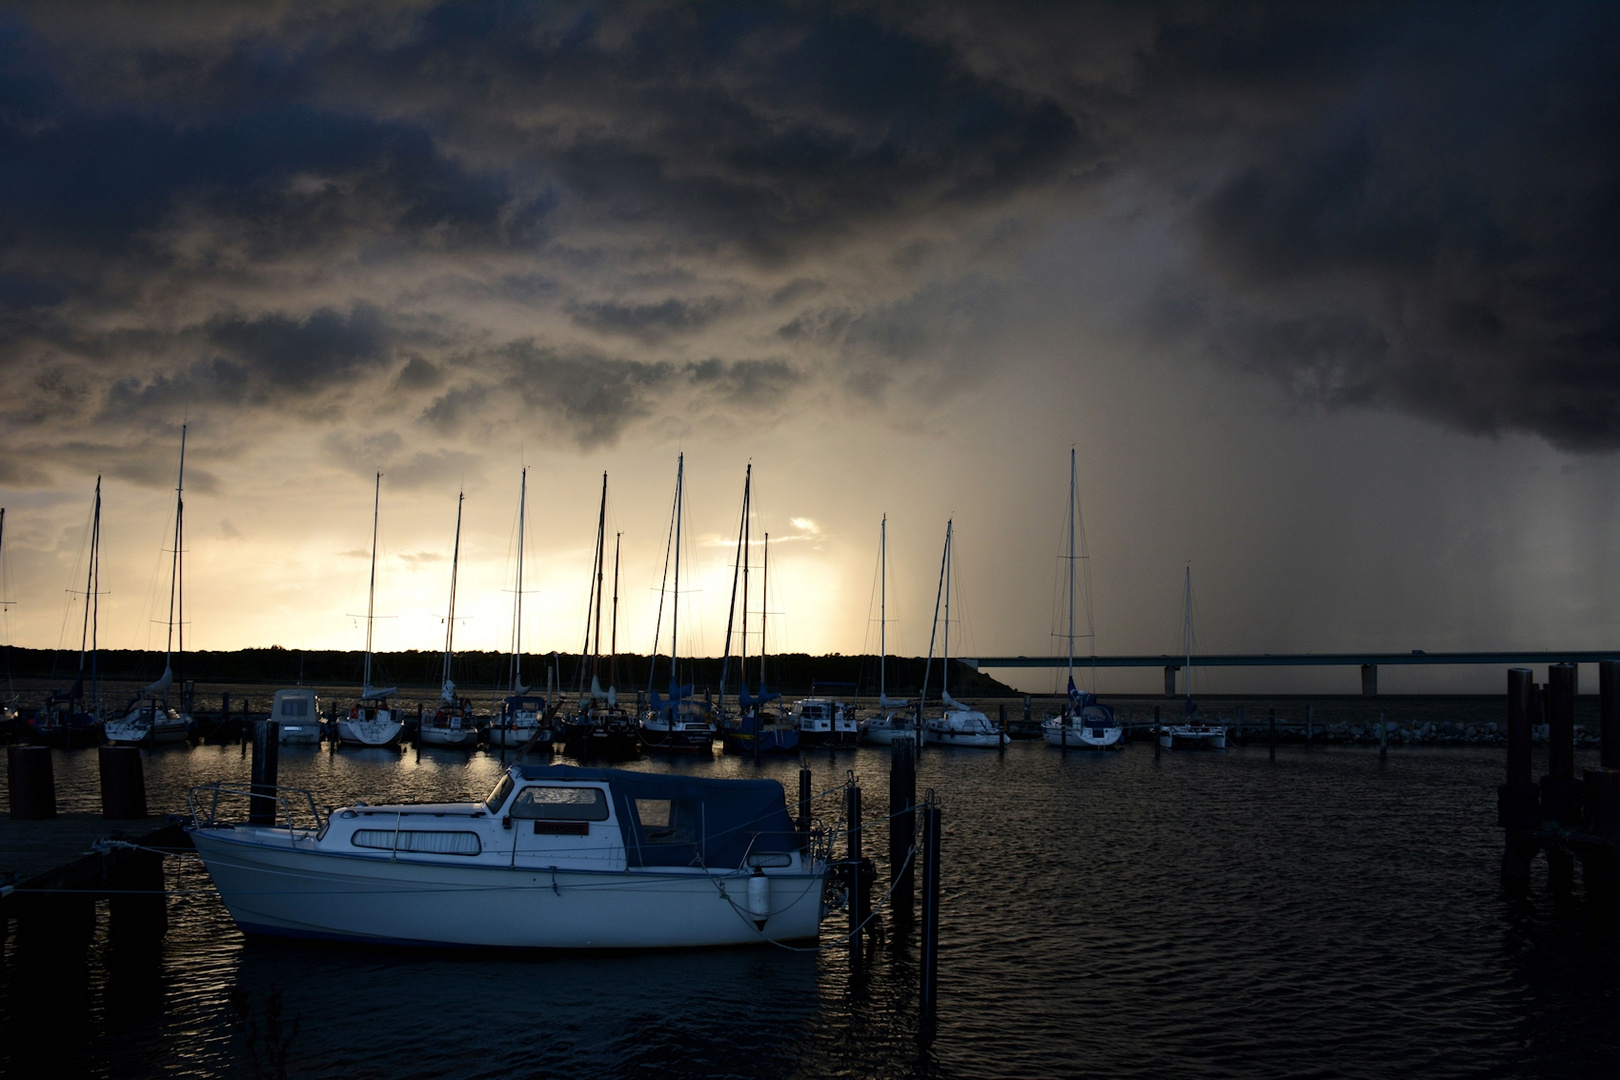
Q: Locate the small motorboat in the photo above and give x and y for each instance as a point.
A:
(298, 712)
(557, 857)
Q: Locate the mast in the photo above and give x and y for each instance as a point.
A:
(944, 561)
(883, 610)
(1071, 572)
(516, 667)
(1188, 597)
(675, 619)
(736, 569)
(601, 544)
(945, 656)
(91, 585)
(175, 594)
(450, 619)
(593, 600)
(658, 625)
(764, 605)
(613, 641)
(371, 591)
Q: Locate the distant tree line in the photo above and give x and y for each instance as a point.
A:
(791, 673)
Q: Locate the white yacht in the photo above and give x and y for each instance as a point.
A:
(1082, 724)
(824, 722)
(371, 721)
(1192, 733)
(959, 725)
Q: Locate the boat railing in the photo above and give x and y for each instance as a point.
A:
(217, 804)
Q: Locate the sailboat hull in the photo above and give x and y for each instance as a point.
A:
(1193, 737)
(1082, 737)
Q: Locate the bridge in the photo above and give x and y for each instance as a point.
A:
(1368, 662)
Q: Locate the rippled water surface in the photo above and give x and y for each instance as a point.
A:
(1326, 914)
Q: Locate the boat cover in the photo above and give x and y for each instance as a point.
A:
(712, 822)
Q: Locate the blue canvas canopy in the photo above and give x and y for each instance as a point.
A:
(689, 820)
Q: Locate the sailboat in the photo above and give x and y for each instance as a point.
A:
(1084, 723)
(1192, 733)
(149, 719)
(601, 729)
(755, 729)
(677, 722)
(957, 725)
(894, 717)
(371, 721)
(67, 718)
(451, 723)
(523, 715)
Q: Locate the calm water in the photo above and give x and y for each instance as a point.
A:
(1196, 914)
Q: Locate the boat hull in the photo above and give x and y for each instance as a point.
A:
(432, 735)
(271, 886)
(302, 734)
(362, 732)
(1080, 737)
(1193, 738)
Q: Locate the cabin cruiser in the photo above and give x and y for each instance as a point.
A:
(298, 712)
(824, 722)
(1084, 724)
(557, 857)
(959, 725)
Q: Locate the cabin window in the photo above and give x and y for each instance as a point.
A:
(561, 804)
(295, 707)
(667, 821)
(498, 797)
(427, 842)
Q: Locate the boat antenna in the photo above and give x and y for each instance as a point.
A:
(883, 608)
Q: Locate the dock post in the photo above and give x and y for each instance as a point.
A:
(32, 780)
(1271, 730)
(266, 748)
(804, 802)
(1559, 796)
(928, 969)
(123, 783)
(1310, 719)
(1028, 717)
(1156, 745)
(1240, 714)
(1518, 802)
(1600, 791)
(1369, 680)
(138, 911)
(902, 828)
(857, 895)
(1383, 736)
(1170, 680)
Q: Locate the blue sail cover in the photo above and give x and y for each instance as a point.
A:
(690, 820)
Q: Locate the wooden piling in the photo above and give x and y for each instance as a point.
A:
(928, 968)
(1609, 713)
(123, 783)
(1310, 719)
(857, 895)
(902, 828)
(266, 750)
(804, 802)
(32, 780)
(1518, 802)
(1028, 715)
(1369, 680)
(1383, 736)
(1559, 795)
(1271, 731)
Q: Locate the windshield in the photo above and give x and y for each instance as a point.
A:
(498, 796)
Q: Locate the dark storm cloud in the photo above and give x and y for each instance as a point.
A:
(1379, 207)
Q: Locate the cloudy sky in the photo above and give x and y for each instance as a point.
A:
(1323, 297)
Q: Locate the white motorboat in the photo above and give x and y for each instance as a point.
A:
(371, 721)
(298, 712)
(1083, 723)
(557, 857)
(1192, 733)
